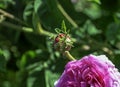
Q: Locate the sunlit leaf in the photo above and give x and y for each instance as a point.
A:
(51, 78)
(28, 11)
(96, 1)
(90, 28)
(37, 4)
(57, 30)
(27, 56)
(63, 27)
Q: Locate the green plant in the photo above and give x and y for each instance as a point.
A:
(27, 57)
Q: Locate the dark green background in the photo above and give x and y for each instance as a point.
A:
(27, 58)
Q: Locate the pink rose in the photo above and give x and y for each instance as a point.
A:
(90, 71)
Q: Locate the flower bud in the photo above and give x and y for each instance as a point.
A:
(62, 42)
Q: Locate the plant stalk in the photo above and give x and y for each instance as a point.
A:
(69, 56)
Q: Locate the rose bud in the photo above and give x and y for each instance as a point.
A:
(62, 42)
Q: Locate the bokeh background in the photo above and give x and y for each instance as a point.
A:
(27, 57)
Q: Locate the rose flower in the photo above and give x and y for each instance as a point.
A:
(90, 71)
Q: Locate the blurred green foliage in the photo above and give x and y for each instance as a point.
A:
(27, 58)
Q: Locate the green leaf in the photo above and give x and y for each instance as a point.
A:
(96, 1)
(63, 27)
(26, 57)
(113, 32)
(36, 79)
(37, 4)
(28, 11)
(51, 78)
(4, 3)
(36, 22)
(90, 28)
(94, 11)
(57, 30)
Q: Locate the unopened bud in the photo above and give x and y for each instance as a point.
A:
(62, 42)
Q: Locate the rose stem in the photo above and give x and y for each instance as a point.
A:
(69, 56)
